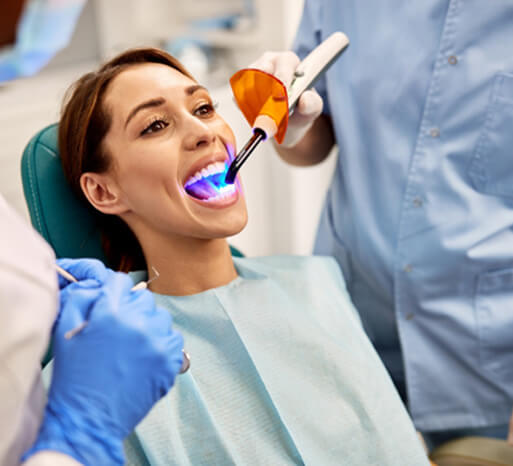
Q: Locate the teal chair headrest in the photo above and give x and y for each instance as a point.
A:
(64, 221)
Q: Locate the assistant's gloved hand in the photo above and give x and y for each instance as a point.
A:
(92, 270)
(82, 269)
(108, 376)
(309, 107)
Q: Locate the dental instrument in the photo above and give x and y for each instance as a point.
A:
(139, 286)
(266, 103)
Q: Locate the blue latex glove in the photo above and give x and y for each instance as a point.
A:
(82, 269)
(107, 377)
(92, 270)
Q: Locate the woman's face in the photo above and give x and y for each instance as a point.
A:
(170, 151)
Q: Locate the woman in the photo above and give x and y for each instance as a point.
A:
(282, 371)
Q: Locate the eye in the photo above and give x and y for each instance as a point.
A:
(205, 110)
(155, 126)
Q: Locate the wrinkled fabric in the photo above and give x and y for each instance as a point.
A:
(28, 307)
(420, 211)
(281, 373)
(45, 28)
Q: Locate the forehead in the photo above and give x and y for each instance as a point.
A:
(145, 81)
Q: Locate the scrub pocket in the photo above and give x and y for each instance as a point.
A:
(491, 168)
(329, 243)
(494, 312)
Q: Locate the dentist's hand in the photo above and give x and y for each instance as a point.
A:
(309, 107)
(107, 377)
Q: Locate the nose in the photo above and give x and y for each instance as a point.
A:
(198, 133)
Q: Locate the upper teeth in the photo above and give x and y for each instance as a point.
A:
(211, 169)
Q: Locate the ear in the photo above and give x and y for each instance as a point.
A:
(102, 192)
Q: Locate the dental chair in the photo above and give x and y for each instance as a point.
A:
(60, 218)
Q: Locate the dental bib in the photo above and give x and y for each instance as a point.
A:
(281, 373)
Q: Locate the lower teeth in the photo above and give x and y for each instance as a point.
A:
(206, 190)
(222, 195)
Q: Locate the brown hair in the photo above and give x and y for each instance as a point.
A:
(84, 123)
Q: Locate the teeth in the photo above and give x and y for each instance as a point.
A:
(228, 189)
(210, 169)
(225, 192)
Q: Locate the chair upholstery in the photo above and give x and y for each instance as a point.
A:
(63, 221)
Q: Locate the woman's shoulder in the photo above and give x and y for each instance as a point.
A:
(289, 261)
(308, 268)
(314, 284)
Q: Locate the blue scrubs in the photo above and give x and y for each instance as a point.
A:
(420, 211)
(281, 373)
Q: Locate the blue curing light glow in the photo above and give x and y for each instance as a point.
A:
(210, 186)
(217, 181)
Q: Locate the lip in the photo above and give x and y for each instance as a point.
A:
(220, 203)
(205, 161)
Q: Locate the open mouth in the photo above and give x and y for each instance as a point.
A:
(208, 184)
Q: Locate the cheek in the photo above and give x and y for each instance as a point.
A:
(148, 167)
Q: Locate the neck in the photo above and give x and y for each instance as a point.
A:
(187, 265)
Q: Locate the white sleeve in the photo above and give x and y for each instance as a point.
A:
(51, 458)
(28, 306)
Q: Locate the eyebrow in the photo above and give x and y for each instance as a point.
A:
(157, 102)
(196, 87)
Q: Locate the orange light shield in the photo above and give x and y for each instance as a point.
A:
(259, 93)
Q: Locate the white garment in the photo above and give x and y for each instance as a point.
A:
(28, 306)
(51, 458)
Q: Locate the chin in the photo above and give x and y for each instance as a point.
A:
(229, 225)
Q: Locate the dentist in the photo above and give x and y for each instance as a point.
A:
(419, 213)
